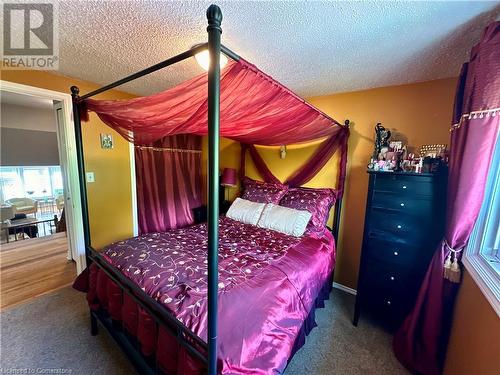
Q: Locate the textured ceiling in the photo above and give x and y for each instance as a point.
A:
(313, 48)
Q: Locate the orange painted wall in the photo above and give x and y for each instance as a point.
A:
(109, 197)
(474, 346)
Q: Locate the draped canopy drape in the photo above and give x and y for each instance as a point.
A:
(420, 344)
(254, 109)
(311, 166)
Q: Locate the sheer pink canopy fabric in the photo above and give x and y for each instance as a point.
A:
(310, 168)
(254, 109)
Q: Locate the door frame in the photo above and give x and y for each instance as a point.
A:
(133, 187)
(67, 144)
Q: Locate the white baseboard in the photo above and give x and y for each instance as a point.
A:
(344, 288)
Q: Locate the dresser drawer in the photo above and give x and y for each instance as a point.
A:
(420, 206)
(390, 306)
(405, 185)
(395, 226)
(391, 277)
(401, 254)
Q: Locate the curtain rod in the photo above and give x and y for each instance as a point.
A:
(171, 61)
(169, 149)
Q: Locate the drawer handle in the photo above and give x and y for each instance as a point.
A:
(402, 204)
(396, 253)
(404, 186)
(392, 278)
(399, 226)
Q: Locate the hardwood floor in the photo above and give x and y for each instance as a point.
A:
(34, 267)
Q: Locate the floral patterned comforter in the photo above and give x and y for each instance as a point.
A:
(268, 282)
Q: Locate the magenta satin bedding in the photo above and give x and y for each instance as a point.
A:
(268, 284)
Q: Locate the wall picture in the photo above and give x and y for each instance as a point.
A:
(106, 141)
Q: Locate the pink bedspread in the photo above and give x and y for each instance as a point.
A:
(268, 283)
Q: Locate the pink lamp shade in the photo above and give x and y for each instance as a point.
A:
(229, 177)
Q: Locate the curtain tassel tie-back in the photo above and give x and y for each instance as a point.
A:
(452, 271)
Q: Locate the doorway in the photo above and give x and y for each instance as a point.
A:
(40, 198)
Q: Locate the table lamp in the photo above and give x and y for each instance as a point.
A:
(228, 179)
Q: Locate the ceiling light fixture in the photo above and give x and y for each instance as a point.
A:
(203, 59)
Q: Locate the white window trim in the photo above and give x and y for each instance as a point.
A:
(485, 277)
(482, 272)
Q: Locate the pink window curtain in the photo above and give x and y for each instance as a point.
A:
(168, 175)
(311, 167)
(420, 344)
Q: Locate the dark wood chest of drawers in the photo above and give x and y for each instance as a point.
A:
(404, 222)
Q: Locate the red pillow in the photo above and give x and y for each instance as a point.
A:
(317, 201)
(262, 192)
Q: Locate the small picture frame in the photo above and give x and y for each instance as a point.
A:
(396, 145)
(106, 141)
(432, 151)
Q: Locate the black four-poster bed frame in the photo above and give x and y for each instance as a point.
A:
(185, 337)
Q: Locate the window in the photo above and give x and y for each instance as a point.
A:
(10, 183)
(482, 255)
(56, 181)
(31, 182)
(36, 182)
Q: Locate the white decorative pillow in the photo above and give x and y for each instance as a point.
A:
(247, 212)
(285, 220)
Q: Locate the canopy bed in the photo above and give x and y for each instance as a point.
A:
(269, 283)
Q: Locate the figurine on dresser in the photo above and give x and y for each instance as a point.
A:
(386, 155)
(382, 136)
(393, 156)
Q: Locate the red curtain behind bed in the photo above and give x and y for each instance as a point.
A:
(168, 175)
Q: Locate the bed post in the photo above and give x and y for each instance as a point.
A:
(214, 16)
(336, 219)
(81, 170)
(338, 211)
(338, 204)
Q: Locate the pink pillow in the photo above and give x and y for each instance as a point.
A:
(262, 192)
(317, 201)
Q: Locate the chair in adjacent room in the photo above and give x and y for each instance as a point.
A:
(24, 205)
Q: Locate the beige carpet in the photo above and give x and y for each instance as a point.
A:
(52, 332)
